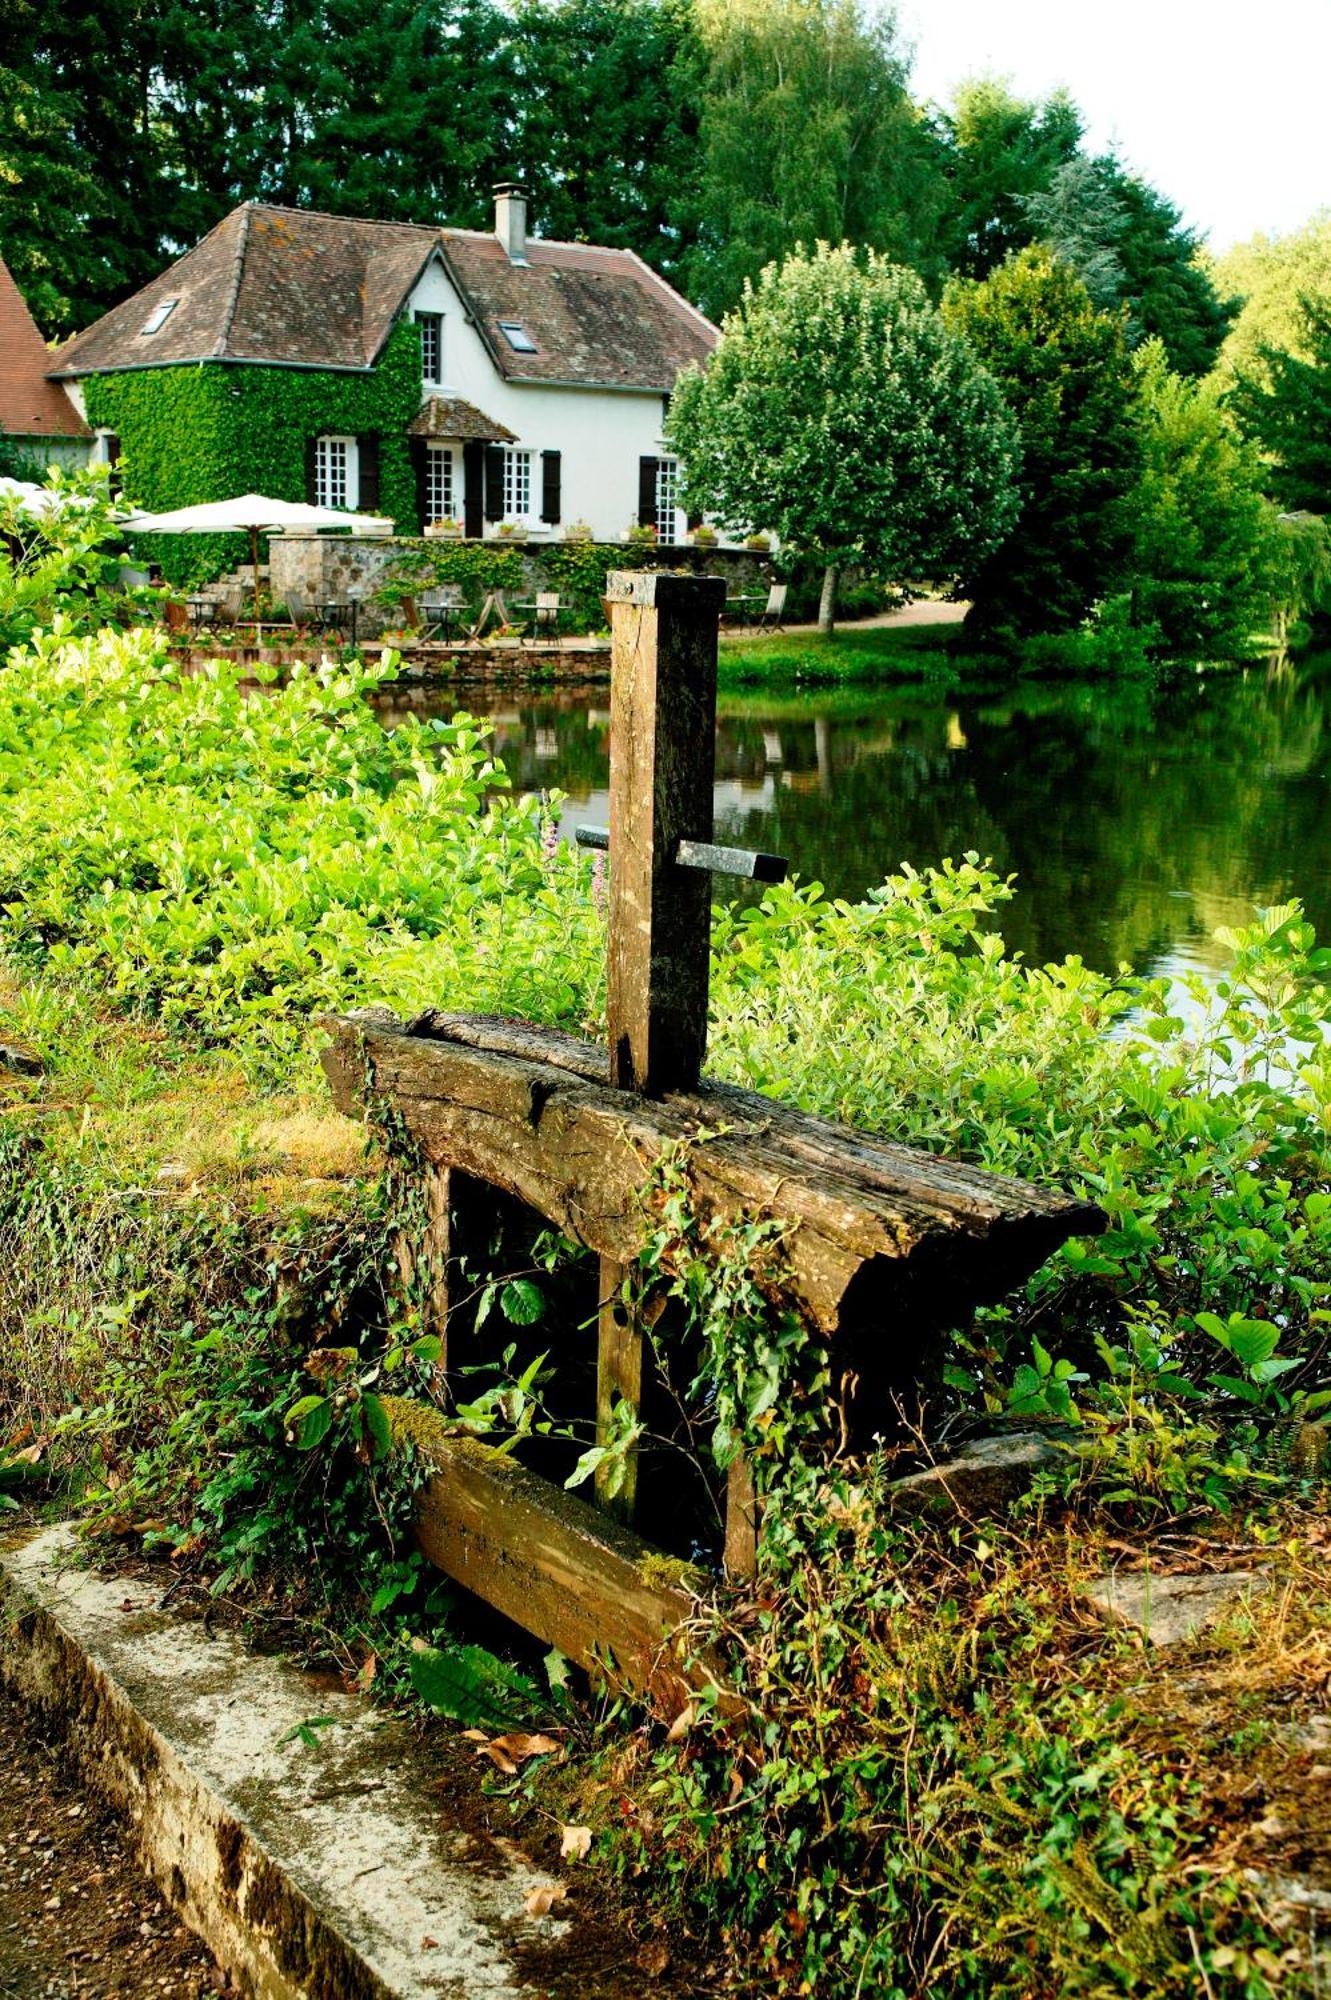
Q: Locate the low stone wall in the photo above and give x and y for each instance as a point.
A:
(325, 569)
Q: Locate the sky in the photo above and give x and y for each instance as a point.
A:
(1224, 109)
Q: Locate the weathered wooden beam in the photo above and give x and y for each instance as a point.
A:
(742, 1518)
(663, 632)
(882, 1241)
(620, 1344)
(559, 1568)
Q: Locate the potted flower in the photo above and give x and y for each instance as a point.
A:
(641, 535)
(577, 531)
(759, 543)
(704, 536)
(447, 529)
(512, 531)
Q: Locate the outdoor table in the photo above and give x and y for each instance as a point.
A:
(553, 613)
(202, 610)
(735, 607)
(439, 617)
(341, 616)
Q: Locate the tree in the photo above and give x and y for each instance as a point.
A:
(50, 205)
(1285, 404)
(1201, 566)
(840, 412)
(1001, 151)
(807, 135)
(1065, 371)
(1170, 291)
(1080, 218)
(607, 109)
(1270, 275)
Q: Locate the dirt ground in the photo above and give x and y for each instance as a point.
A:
(78, 1921)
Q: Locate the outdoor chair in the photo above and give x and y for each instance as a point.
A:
(545, 615)
(175, 616)
(299, 610)
(774, 610)
(232, 603)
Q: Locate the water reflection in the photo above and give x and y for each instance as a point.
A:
(1136, 819)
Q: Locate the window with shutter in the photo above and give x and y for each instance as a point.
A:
(550, 487)
(336, 472)
(647, 492)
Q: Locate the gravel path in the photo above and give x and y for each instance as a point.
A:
(78, 1921)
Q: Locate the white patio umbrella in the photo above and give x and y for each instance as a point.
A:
(39, 501)
(254, 515)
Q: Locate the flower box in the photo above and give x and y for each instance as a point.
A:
(444, 531)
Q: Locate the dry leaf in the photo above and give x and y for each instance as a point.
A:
(474, 1736)
(497, 1756)
(365, 1678)
(654, 1958)
(429, 1944)
(575, 1843)
(682, 1723)
(541, 1901)
(522, 1747)
(736, 1782)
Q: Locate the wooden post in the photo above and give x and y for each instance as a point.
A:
(741, 1550)
(427, 1258)
(663, 632)
(619, 1351)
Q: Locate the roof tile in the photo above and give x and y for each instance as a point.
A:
(30, 406)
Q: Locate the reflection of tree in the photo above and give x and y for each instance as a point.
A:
(1133, 817)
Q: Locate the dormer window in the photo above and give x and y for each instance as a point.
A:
(159, 316)
(517, 336)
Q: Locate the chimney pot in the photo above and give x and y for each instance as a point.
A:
(511, 220)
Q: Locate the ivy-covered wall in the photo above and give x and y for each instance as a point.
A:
(221, 428)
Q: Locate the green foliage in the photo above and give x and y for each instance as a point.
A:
(1065, 372)
(841, 412)
(807, 135)
(1200, 568)
(1271, 276)
(1002, 152)
(249, 861)
(213, 431)
(942, 1789)
(56, 569)
(1285, 405)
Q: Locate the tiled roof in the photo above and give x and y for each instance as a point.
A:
(30, 406)
(599, 317)
(452, 417)
(295, 288)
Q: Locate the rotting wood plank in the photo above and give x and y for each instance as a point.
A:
(872, 1226)
(620, 1347)
(568, 1573)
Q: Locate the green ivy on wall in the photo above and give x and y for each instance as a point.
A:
(211, 431)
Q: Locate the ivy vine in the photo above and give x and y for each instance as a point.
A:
(189, 434)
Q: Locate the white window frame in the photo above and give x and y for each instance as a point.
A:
(337, 471)
(432, 322)
(440, 483)
(518, 482)
(667, 502)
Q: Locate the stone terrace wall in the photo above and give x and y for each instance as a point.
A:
(323, 569)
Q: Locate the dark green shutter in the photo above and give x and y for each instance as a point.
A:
(473, 490)
(418, 449)
(550, 483)
(647, 470)
(367, 454)
(494, 482)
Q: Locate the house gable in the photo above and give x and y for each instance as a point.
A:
(30, 405)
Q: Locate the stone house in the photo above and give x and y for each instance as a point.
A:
(39, 421)
(491, 378)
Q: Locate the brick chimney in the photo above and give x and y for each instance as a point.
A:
(511, 220)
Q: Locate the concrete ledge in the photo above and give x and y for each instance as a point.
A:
(325, 1870)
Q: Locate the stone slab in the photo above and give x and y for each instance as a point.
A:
(328, 1869)
(1170, 1609)
(982, 1478)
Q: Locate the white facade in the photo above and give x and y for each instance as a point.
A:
(600, 434)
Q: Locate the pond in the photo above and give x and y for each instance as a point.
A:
(1136, 818)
